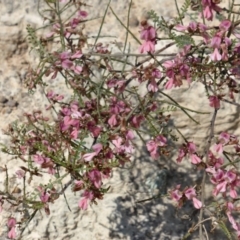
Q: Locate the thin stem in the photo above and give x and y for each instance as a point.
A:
(211, 135)
(125, 26)
(179, 14)
(177, 105)
(125, 44)
(100, 29)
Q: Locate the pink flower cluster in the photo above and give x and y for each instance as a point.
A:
(221, 178)
(97, 162)
(74, 119)
(188, 193)
(225, 181)
(150, 74)
(189, 150)
(221, 43)
(69, 27)
(47, 196)
(178, 69)
(154, 145)
(148, 34)
(65, 60)
(45, 162)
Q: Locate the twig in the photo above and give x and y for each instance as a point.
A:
(233, 103)
(204, 174)
(205, 230)
(157, 54)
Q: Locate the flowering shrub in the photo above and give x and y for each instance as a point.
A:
(96, 130)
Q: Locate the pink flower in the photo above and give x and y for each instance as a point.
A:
(216, 56)
(73, 23)
(214, 102)
(170, 84)
(12, 233)
(11, 222)
(78, 185)
(137, 120)
(216, 41)
(148, 33)
(225, 25)
(190, 193)
(232, 221)
(65, 62)
(77, 54)
(130, 135)
(83, 203)
(218, 148)
(192, 27)
(207, 13)
(68, 121)
(177, 70)
(89, 156)
(175, 194)
(181, 155)
(38, 159)
(97, 147)
(95, 177)
(56, 29)
(161, 140)
(156, 73)
(20, 173)
(152, 86)
(231, 176)
(112, 121)
(195, 159)
(221, 187)
(87, 196)
(53, 96)
(77, 69)
(209, 6)
(116, 106)
(169, 64)
(44, 196)
(224, 137)
(180, 27)
(191, 147)
(224, 52)
(233, 193)
(147, 46)
(190, 150)
(197, 203)
(152, 147)
(74, 134)
(82, 14)
(95, 130)
(117, 142)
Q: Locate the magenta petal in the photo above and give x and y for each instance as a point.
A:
(197, 203)
(83, 203)
(195, 159)
(12, 233)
